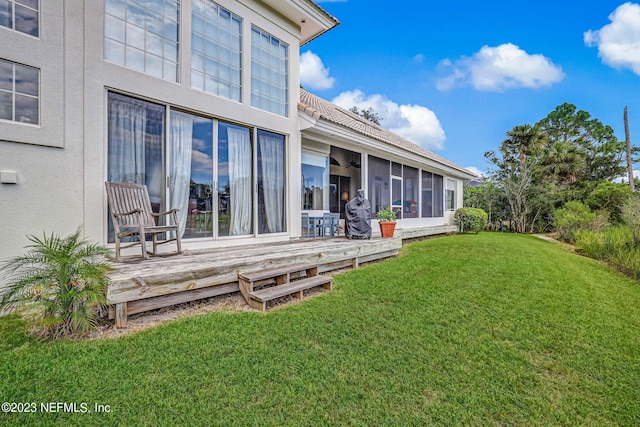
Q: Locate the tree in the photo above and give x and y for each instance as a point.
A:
(369, 114)
(602, 152)
(522, 141)
(563, 162)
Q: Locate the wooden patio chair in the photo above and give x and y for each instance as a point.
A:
(131, 214)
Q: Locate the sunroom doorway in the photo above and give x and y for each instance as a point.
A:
(227, 180)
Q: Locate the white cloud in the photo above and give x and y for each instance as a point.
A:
(418, 58)
(499, 68)
(619, 42)
(475, 170)
(413, 122)
(313, 73)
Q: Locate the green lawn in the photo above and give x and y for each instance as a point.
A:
(488, 329)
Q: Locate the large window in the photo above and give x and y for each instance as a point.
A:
(271, 183)
(19, 93)
(20, 15)
(143, 35)
(315, 180)
(216, 50)
(214, 181)
(235, 189)
(269, 72)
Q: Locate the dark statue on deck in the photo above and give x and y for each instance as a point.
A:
(358, 217)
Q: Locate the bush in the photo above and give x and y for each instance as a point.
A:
(628, 262)
(631, 217)
(63, 278)
(471, 220)
(610, 196)
(574, 216)
(605, 244)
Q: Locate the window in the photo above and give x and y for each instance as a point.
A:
(450, 195)
(19, 93)
(271, 183)
(235, 177)
(143, 35)
(20, 15)
(315, 180)
(269, 72)
(216, 50)
(205, 167)
(431, 195)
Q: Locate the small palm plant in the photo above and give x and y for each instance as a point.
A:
(65, 278)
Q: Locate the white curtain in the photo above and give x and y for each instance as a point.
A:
(272, 165)
(127, 127)
(181, 131)
(239, 181)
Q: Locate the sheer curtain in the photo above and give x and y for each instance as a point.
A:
(181, 126)
(272, 164)
(127, 127)
(239, 181)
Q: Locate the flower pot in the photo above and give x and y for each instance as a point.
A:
(387, 228)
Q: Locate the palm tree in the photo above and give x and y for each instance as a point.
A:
(522, 141)
(65, 278)
(562, 161)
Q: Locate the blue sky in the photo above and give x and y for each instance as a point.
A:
(455, 76)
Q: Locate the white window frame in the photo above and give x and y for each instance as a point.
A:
(13, 91)
(12, 18)
(169, 55)
(269, 73)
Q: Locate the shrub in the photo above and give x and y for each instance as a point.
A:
(628, 261)
(605, 244)
(631, 217)
(610, 196)
(470, 220)
(386, 215)
(65, 280)
(575, 216)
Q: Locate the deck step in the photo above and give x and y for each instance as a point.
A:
(255, 276)
(258, 299)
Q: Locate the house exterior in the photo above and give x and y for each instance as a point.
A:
(199, 101)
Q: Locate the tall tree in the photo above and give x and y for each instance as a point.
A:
(522, 141)
(602, 152)
(563, 163)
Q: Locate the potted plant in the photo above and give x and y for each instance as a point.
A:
(387, 220)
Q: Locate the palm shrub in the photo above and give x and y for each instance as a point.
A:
(574, 216)
(471, 220)
(65, 279)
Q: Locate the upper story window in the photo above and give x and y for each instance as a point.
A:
(20, 15)
(19, 93)
(143, 35)
(216, 50)
(269, 72)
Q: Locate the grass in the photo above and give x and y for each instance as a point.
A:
(484, 329)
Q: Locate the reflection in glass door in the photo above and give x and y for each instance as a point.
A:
(235, 195)
(191, 173)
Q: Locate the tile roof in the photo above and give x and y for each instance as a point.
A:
(321, 108)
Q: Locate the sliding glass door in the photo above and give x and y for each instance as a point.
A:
(222, 183)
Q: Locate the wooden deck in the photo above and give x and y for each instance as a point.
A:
(162, 281)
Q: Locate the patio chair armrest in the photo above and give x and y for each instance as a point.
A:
(172, 211)
(135, 211)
